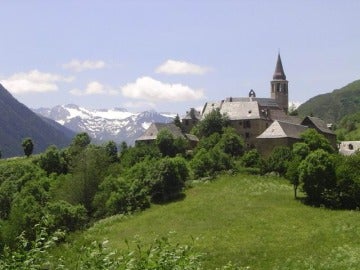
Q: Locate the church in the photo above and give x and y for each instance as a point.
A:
(264, 123)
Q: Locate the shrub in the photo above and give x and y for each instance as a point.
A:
(317, 174)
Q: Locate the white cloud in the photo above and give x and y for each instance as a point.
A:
(181, 67)
(78, 66)
(148, 89)
(139, 104)
(34, 81)
(94, 88)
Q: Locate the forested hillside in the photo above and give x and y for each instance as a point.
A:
(332, 107)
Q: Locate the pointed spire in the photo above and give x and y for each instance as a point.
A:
(279, 73)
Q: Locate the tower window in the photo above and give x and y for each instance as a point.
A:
(247, 124)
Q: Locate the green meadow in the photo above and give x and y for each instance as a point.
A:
(252, 221)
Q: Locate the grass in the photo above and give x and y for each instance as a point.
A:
(249, 220)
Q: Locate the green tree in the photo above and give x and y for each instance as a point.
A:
(28, 146)
(78, 144)
(165, 143)
(53, 161)
(168, 179)
(348, 180)
(315, 140)
(88, 171)
(299, 151)
(278, 159)
(251, 159)
(231, 143)
(117, 195)
(112, 151)
(178, 123)
(214, 122)
(317, 175)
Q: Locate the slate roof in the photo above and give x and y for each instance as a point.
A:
(279, 73)
(318, 123)
(279, 129)
(154, 129)
(283, 117)
(192, 114)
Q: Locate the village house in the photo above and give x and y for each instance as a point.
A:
(151, 133)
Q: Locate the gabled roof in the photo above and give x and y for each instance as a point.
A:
(280, 115)
(192, 115)
(279, 73)
(317, 123)
(280, 129)
(154, 129)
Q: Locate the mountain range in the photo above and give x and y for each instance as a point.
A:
(102, 125)
(18, 122)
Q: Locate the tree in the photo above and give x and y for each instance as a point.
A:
(348, 180)
(214, 122)
(300, 151)
(178, 123)
(317, 175)
(315, 140)
(168, 179)
(165, 143)
(278, 159)
(78, 144)
(251, 159)
(112, 151)
(231, 143)
(53, 161)
(28, 146)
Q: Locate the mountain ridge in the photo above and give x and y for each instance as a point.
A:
(18, 122)
(333, 106)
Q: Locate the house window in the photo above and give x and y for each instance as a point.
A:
(247, 124)
(247, 135)
(186, 122)
(240, 123)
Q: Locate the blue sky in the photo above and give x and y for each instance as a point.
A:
(173, 55)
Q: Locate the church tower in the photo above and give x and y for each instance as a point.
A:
(279, 86)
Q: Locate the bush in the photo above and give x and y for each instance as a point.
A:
(65, 216)
(168, 179)
(117, 195)
(278, 159)
(317, 175)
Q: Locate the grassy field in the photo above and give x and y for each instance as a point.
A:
(249, 220)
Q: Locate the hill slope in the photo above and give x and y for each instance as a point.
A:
(18, 122)
(249, 220)
(333, 106)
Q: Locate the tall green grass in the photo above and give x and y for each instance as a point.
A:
(249, 220)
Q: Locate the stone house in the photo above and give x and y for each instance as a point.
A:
(191, 118)
(151, 133)
(349, 147)
(279, 134)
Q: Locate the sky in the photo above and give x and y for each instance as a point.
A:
(173, 55)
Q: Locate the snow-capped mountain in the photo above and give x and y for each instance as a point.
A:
(105, 124)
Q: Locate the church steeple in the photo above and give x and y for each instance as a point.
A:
(279, 86)
(279, 73)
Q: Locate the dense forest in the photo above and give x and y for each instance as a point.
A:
(63, 190)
